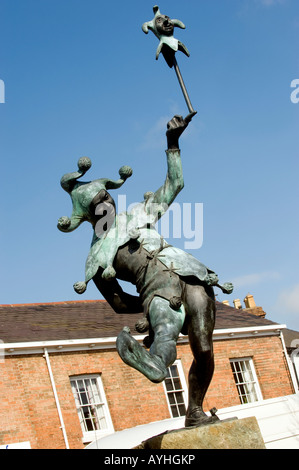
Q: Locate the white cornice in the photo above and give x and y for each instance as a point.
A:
(37, 347)
(247, 331)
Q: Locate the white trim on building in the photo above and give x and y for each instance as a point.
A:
(36, 347)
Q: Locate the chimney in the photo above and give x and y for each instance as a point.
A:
(249, 301)
(251, 307)
(225, 302)
(237, 304)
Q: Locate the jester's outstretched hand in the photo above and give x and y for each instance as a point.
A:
(175, 128)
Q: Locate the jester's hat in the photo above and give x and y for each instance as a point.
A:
(82, 193)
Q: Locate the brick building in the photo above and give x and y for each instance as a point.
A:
(63, 385)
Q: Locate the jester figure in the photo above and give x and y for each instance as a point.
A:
(175, 290)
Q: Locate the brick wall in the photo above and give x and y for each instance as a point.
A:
(27, 407)
(28, 411)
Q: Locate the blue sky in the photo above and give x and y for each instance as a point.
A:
(81, 79)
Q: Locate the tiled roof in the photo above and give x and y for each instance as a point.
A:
(90, 319)
(291, 338)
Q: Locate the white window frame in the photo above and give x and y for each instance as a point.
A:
(253, 382)
(184, 388)
(89, 436)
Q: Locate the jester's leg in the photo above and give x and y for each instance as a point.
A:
(136, 356)
(166, 324)
(200, 311)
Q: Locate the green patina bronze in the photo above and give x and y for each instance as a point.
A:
(162, 27)
(82, 194)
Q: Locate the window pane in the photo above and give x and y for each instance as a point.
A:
(168, 383)
(101, 417)
(247, 372)
(95, 392)
(179, 397)
(171, 398)
(177, 384)
(251, 393)
(83, 398)
(89, 425)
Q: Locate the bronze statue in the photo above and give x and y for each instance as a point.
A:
(175, 289)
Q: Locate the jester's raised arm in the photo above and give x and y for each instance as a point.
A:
(174, 182)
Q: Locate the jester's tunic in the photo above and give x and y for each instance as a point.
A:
(158, 272)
